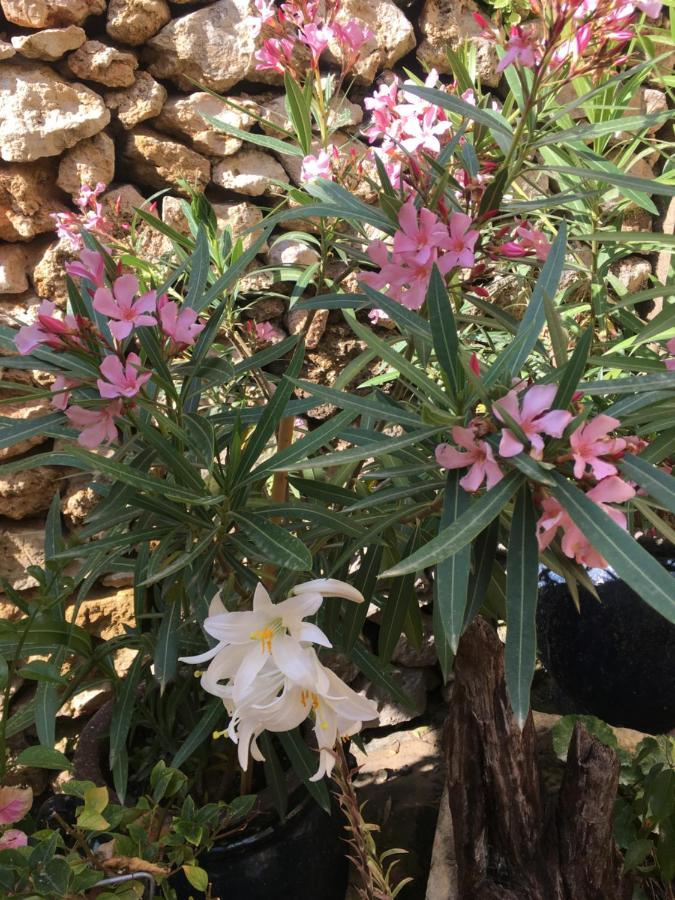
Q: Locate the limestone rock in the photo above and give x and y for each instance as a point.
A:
(184, 116)
(298, 319)
(6, 50)
(242, 218)
(95, 61)
(106, 614)
(26, 409)
(18, 309)
(12, 270)
(214, 46)
(28, 493)
(447, 24)
(136, 21)
(633, 272)
(89, 162)
(413, 682)
(50, 13)
(143, 100)
(647, 101)
(77, 502)
(394, 35)
(636, 219)
(159, 162)
(405, 654)
(49, 274)
(287, 252)
(41, 114)
(250, 172)
(28, 196)
(21, 546)
(50, 44)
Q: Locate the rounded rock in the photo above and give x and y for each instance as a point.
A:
(136, 21)
(90, 162)
(95, 61)
(50, 13)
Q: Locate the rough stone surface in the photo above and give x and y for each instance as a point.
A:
(647, 102)
(301, 321)
(18, 309)
(143, 100)
(136, 21)
(21, 546)
(287, 252)
(28, 493)
(250, 172)
(342, 113)
(50, 44)
(77, 502)
(633, 272)
(49, 274)
(50, 13)
(155, 160)
(28, 196)
(41, 114)
(394, 35)
(89, 162)
(105, 614)
(6, 50)
(413, 682)
(405, 654)
(446, 24)
(12, 269)
(183, 116)
(120, 204)
(95, 61)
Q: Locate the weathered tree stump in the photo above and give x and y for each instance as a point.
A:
(510, 844)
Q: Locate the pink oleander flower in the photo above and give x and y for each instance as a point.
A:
(12, 839)
(352, 36)
(181, 326)
(268, 333)
(275, 54)
(462, 242)
(61, 387)
(47, 329)
(88, 196)
(98, 425)
(521, 48)
(574, 544)
(91, 265)
(123, 380)
(420, 234)
(317, 38)
(534, 416)
(651, 8)
(590, 441)
(478, 456)
(316, 166)
(670, 347)
(528, 240)
(119, 304)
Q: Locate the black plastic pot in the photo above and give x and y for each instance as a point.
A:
(303, 858)
(614, 659)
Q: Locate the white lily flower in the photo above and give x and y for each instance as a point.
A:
(329, 587)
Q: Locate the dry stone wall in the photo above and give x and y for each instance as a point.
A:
(108, 90)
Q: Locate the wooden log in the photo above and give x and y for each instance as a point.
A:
(508, 844)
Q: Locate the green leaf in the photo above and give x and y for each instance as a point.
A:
(41, 670)
(276, 544)
(365, 581)
(463, 531)
(44, 637)
(399, 602)
(630, 561)
(38, 757)
(90, 817)
(492, 120)
(484, 553)
(451, 580)
(598, 129)
(199, 270)
(656, 482)
(369, 405)
(444, 333)
(124, 709)
(651, 186)
(47, 703)
(299, 112)
(210, 719)
(572, 372)
(274, 774)
(522, 574)
(166, 649)
(511, 360)
(13, 432)
(198, 877)
(305, 764)
(637, 853)
(286, 148)
(561, 733)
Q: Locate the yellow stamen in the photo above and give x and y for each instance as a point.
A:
(266, 635)
(309, 697)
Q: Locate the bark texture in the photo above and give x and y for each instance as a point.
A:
(508, 844)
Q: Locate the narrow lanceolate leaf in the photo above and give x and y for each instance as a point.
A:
(522, 570)
(444, 332)
(365, 580)
(629, 560)
(298, 111)
(166, 649)
(573, 371)
(199, 270)
(452, 574)
(513, 358)
(211, 718)
(656, 482)
(463, 531)
(305, 763)
(399, 602)
(123, 711)
(484, 552)
(12, 432)
(275, 543)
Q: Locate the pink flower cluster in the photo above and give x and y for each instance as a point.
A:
(15, 804)
(121, 375)
(420, 241)
(69, 225)
(582, 35)
(309, 26)
(523, 422)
